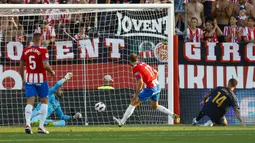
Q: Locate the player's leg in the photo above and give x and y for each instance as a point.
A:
(209, 123)
(29, 109)
(36, 111)
(55, 123)
(200, 115)
(154, 102)
(35, 121)
(221, 121)
(142, 96)
(43, 90)
(36, 116)
(30, 93)
(129, 111)
(224, 121)
(164, 110)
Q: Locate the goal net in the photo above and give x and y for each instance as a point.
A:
(91, 43)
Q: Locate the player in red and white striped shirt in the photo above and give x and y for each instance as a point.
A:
(48, 33)
(35, 58)
(194, 34)
(233, 33)
(147, 89)
(249, 31)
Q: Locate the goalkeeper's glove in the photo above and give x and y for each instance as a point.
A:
(77, 115)
(68, 75)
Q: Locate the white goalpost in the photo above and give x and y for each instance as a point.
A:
(91, 41)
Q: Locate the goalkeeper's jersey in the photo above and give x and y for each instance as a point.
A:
(53, 103)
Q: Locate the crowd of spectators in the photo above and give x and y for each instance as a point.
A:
(197, 20)
(216, 20)
(57, 27)
(52, 27)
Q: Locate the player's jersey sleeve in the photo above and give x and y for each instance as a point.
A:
(51, 97)
(234, 102)
(138, 76)
(45, 55)
(60, 113)
(54, 88)
(137, 73)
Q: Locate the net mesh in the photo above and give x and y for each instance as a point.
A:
(90, 43)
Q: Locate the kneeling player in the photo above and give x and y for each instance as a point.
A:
(220, 99)
(145, 74)
(54, 105)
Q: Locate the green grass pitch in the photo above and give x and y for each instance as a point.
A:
(132, 134)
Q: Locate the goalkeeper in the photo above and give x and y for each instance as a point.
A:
(54, 105)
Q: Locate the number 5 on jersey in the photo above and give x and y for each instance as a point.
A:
(32, 63)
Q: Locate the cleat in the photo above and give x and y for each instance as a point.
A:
(28, 129)
(42, 131)
(50, 124)
(118, 121)
(176, 118)
(209, 123)
(194, 122)
(35, 124)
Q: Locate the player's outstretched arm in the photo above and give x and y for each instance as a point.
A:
(60, 113)
(61, 82)
(48, 68)
(238, 116)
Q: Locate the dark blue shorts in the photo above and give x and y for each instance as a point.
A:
(33, 89)
(214, 114)
(150, 93)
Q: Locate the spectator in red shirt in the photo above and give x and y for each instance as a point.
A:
(233, 33)
(249, 31)
(212, 31)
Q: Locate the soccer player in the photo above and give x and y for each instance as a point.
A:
(54, 105)
(220, 99)
(35, 82)
(147, 76)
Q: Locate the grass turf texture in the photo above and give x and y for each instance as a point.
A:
(133, 134)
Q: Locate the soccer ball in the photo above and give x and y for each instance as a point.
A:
(100, 107)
